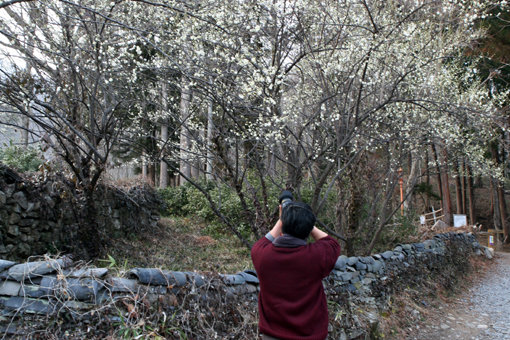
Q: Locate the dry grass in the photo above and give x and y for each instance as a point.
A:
(181, 244)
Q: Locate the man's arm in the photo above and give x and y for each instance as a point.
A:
(317, 234)
(276, 231)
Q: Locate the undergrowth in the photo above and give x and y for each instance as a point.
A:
(180, 244)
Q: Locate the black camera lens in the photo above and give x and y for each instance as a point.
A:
(285, 198)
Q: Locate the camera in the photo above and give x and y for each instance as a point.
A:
(285, 198)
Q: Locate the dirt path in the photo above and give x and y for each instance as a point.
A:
(482, 312)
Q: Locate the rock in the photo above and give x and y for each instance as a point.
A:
(155, 276)
(10, 288)
(13, 230)
(233, 279)
(49, 201)
(26, 222)
(81, 289)
(20, 198)
(488, 252)
(248, 276)
(360, 266)
(351, 261)
(3, 198)
(23, 271)
(346, 276)
(121, 285)
(9, 190)
(26, 305)
(439, 225)
(4, 264)
(387, 254)
(14, 218)
(341, 262)
(87, 272)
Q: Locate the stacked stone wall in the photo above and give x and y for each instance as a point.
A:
(39, 215)
(59, 298)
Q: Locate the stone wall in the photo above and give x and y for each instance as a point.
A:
(39, 214)
(58, 298)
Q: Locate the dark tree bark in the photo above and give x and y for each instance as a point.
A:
(470, 196)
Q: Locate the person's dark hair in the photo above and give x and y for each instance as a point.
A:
(297, 220)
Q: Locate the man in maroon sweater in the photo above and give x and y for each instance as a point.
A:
(292, 303)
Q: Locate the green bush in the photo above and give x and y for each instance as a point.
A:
(187, 200)
(176, 198)
(21, 159)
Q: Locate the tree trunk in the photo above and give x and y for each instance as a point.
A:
(427, 180)
(500, 194)
(438, 173)
(210, 126)
(447, 203)
(463, 186)
(151, 174)
(458, 191)
(185, 139)
(414, 173)
(470, 196)
(163, 167)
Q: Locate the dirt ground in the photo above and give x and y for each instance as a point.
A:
(481, 311)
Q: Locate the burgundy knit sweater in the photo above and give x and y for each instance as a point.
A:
(292, 303)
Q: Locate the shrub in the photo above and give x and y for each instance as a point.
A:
(21, 159)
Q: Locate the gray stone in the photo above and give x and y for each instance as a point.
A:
(4, 264)
(49, 201)
(360, 266)
(13, 230)
(156, 290)
(31, 206)
(233, 279)
(155, 276)
(3, 198)
(429, 244)
(33, 291)
(346, 276)
(26, 305)
(10, 288)
(14, 218)
(367, 259)
(387, 254)
(249, 276)
(121, 285)
(341, 262)
(9, 190)
(198, 280)
(81, 289)
(351, 261)
(20, 198)
(87, 272)
(488, 252)
(26, 222)
(77, 305)
(377, 266)
(28, 270)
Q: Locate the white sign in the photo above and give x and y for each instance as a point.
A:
(422, 219)
(459, 220)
